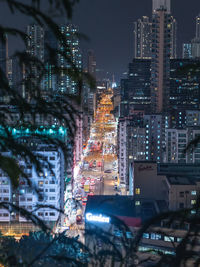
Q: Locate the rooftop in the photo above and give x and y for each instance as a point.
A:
(180, 180)
(123, 207)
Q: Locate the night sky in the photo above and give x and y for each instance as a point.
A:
(109, 25)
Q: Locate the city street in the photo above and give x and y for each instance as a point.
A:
(96, 174)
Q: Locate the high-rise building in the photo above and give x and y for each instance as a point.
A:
(160, 4)
(184, 90)
(35, 41)
(3, 65)
(142, 38)
(196, 48)
(173, 42)
(155, 133)
(35, 48)
(176, 143)
(136, 90)
(131, 144)
(162, 23)
(3, 53)
(71, 49)
(50, 186)
(196, 41)
(50, 77)
(91, 68)
(198, 26)
(187, 51)
(17, 76)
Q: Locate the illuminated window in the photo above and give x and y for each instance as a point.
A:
(193, 193)
(137, 203)
(146, 235)
(169, 238)
(137, 191)
(193, 202)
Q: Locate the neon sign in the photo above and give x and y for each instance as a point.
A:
(97, 218)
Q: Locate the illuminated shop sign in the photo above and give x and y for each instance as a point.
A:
(97, 218)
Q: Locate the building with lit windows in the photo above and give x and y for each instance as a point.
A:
(50, 186)
(71, 49)
(176, 143)
(170, 188)
(192, 118)
(157, 4)
(187, 51)
(131, 144)
(3, 60)
(91, 68)
(142, 38)
(196, 41)
(162, 32)
(146, 181)
(135, 90)
(155, 125)
(104, 212)
(35, 41)
(182, 192)
(184, 90)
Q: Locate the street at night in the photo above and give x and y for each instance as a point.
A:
(96, 174)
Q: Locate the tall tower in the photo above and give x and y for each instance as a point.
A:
(196, 41)
(71, 48)
(91, 64)
(3, 53)
(142, 38)
(160, 64)
(198, 26)
(173, 42)
(35, 41)
(34, 47)
(161, 4)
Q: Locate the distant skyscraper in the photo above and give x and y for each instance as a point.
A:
(187, 51)
(158, 4)
(184, 90)
(3, 53)
(196, 41)
(173, 42)
(35, 41)
(3, 63)
(142, 38)
(198, 26)
(35, 48)
(17, 76)
(50, 78)
(91, 63)
(136, 93)
(196, 48)
(66, 83)
(160, 66)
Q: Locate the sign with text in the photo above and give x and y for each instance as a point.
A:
(97, 218)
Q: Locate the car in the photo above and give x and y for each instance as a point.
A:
(78, 197)
(108, 171)
(84, 203)
(79, 219)
(92, 186)
(92, 182)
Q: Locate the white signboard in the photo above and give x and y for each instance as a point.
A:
(97, 218)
